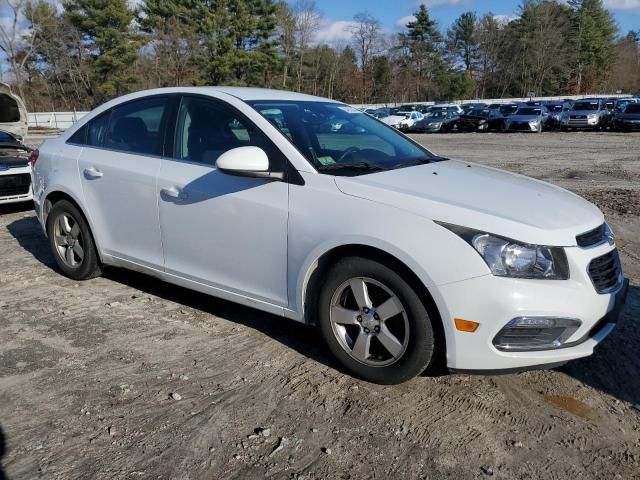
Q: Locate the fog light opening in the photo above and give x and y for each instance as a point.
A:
(535, 333)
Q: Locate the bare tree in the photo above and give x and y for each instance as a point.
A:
(367, 40)
(16, 44)
(307, 21)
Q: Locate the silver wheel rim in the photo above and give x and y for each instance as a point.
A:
(369, 321)
(68, 240)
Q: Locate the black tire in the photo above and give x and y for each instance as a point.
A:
(89, 265)
(420, 348)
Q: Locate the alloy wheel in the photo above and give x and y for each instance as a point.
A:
(68, 240)
(369, 321)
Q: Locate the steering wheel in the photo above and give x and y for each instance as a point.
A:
(348, 152)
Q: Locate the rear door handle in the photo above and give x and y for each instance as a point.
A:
(174, 192)
(93, 172)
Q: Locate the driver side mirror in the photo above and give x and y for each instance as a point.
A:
(247, 162)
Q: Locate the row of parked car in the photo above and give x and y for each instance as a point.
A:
(618, 114)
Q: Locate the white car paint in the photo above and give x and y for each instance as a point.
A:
(15, 198)
(257, 241)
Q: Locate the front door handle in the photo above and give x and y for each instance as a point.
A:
(174, 192)
(93, 172)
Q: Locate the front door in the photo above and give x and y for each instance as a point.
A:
(224, 231)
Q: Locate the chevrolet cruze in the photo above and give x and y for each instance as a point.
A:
(403, 259)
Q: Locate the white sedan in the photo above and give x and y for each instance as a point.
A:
(403, 260)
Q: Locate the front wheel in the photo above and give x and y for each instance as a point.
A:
(71, 242)
(374, 323)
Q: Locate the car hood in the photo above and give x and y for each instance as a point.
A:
(481, 198)
(393, 119)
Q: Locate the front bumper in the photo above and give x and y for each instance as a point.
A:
(15, 185)
(494, 301)
(521, 127)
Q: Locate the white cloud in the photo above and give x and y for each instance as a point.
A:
(335, 32)
(504, 19)
(622, 4)
(445, 3)
(402, 22)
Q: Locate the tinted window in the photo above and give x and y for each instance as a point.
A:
(137, 127)
(80, 136)
(632, 108)
(96, 130)
(206, 129)
(9, 111)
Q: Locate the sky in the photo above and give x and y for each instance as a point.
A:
(394, 14)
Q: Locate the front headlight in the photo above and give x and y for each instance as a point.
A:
(509, 258)
(592, 116)
(436, 125)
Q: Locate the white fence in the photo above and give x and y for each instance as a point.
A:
(491, 100)
(62, 120)
(58, 120)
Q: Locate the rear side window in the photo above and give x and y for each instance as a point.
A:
(137, 127)
(96, 130)
(80, 137)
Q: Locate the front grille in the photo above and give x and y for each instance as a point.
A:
(590, 238)
(604, 272)
(17, 184)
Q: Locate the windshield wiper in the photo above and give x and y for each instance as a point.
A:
(419, 161)
(350, 166)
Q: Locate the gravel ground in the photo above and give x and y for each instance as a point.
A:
(126, 377)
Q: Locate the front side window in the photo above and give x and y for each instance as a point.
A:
(340, 140)
(136, 127)
(205, 129)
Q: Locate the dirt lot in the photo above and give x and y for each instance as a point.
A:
(126, 377)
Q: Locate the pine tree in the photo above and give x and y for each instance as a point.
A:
(107, 30)
(463, 41)
(593, 33)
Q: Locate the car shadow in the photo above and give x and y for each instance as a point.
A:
(3, 450)
(613, 369)
(29, 235)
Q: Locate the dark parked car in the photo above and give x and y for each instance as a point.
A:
(481, 120)
(467, 107)
(507, 109)
(438, 121)
(628, 119)
(556, 111)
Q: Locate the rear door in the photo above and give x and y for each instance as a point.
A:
(118, 169)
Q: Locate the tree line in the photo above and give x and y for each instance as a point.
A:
(77, 56)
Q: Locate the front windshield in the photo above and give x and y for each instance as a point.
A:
(554, 108)
(585, 106)
(340, 140)
(529, 111)
(632, 108)
(440, 114)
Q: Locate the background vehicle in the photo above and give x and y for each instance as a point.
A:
(15, 170)
(410, 121)
(556, 111)
(199, 187)
(13, 113)
(447, 108)
(481, 120)
(588, 113)
(432, 122)
(628, 119)
(528, 119)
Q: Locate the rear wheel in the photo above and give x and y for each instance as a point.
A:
(71, 242)
(374, 323)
